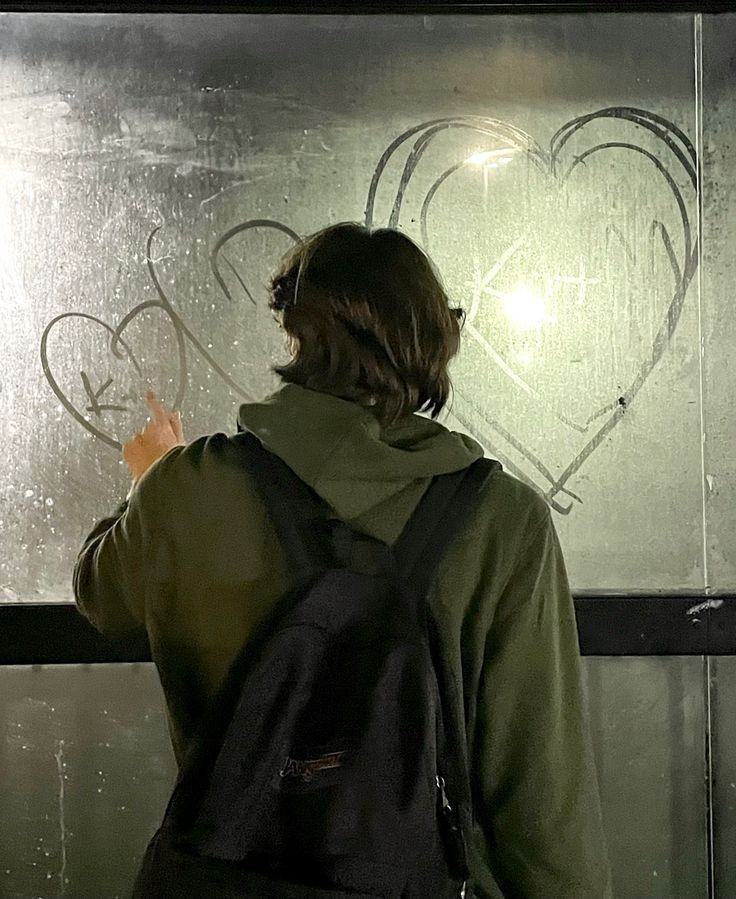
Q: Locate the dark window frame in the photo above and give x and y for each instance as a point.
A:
(609, 624)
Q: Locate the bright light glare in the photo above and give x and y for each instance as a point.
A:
(492, 158)
(525, 308)
(479, 158)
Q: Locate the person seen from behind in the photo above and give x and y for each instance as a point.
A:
(192, 556)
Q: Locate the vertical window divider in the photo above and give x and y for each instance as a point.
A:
(708, 667)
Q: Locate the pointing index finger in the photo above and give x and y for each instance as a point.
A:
(155, 405)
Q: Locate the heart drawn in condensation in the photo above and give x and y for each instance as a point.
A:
(104, 386)
(573, 264)
(100, 372)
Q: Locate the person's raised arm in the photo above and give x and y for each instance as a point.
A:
(115, 563)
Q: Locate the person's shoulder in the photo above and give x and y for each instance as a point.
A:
(206, 450)
(512, 504)
(204, 480)
(193, 465)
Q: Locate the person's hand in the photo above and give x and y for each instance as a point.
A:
(161, 433)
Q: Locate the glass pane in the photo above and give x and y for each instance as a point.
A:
(87, 771)
(648, 725)
(719, 270)
(723, 682)
(570, 247)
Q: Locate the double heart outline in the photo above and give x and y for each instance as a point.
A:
(548, 162)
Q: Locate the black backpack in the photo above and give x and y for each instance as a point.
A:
(331, 764)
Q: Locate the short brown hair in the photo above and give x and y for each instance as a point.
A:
(367, 319)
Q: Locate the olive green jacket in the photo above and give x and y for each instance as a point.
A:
(192, 556)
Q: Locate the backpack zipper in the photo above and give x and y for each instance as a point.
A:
(447, 809)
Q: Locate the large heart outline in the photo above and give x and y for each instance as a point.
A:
(549, 161)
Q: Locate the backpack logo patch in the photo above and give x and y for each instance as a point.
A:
(305, 769)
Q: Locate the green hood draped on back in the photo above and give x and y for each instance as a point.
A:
(342, 452)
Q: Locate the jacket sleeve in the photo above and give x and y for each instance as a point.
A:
(111, 571)
(536, 798)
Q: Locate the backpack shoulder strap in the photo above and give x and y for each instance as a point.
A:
(446, 506)
(299, 515)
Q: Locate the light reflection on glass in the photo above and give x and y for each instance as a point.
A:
(525, 308)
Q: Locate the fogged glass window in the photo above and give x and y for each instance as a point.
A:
(153, 169)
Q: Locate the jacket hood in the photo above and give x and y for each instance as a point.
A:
(340, 449)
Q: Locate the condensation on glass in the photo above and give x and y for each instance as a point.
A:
(155, 168)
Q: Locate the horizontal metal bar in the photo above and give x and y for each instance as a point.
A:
(609, 624)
